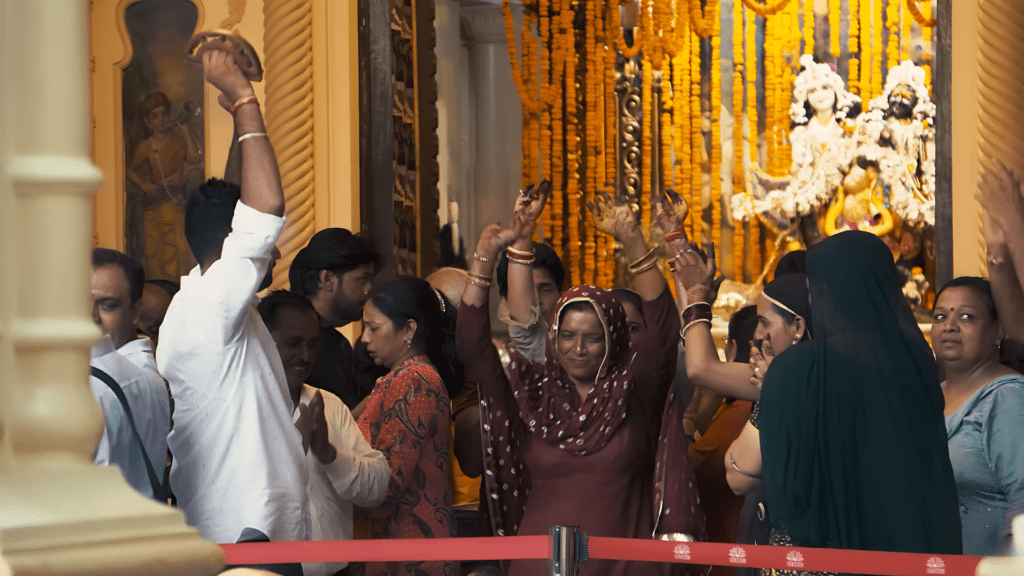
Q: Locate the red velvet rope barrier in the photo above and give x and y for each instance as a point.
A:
(538, 547)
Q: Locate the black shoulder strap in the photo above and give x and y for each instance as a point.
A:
(159, 493)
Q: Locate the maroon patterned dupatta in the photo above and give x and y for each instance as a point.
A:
(546, 400)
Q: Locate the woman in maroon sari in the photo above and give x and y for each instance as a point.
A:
(571, 441)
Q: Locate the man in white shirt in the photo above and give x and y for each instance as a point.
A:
(114, 294)
(149, 410)
(239, 470)
(344, 470)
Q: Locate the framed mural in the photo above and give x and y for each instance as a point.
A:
(163, 132)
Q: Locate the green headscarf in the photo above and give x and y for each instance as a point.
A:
(852, 431)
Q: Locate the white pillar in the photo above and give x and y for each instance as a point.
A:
(455, 114)
(60, 513)
(497, 145)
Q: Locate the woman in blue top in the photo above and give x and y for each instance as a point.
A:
(984, 414)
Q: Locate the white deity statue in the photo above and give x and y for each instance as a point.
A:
(898, 133)
(821, 139)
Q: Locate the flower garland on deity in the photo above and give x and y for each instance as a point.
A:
(821, 112)
(898, 132)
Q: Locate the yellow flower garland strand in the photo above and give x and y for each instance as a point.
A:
(922, 20)
(737, 135)
(892, 22)
(809, 27)
(834, 13)
(517, 77)
(753, 248)
(876, 48)
(854, 47)
(716, 132)
(696, 143)
(766, 9)
(572, 142)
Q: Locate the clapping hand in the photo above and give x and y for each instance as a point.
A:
(760, 359)
(312, 425)
(694, 274)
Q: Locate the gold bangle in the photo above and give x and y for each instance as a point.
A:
(479, 283)
(523, 262)
(636, 271)
(521, 253)
(643, 258)
(682, 333)
(479, 277)
(481, 258)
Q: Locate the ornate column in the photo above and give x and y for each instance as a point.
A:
(61, 514)
(288, 47)
(498, 119)
(1000, 84)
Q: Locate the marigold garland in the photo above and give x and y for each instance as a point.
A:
(892, 22)
(834, 12)
(517, 76)
(866, 55)
(766, 9)
(876, 48)
(854, 47)
(737, 135)
(809, 27)
(696, 143)
(716, 134)
(572, 143)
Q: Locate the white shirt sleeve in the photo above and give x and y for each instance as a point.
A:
(230, 283)
(359, 474)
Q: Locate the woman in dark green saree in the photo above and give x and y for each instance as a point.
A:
(852, 432)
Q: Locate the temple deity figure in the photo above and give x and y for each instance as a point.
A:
(898, 132)
(158, 166)
(822, 113)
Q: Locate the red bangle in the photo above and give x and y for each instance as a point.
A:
(675, 235)
(242, 102)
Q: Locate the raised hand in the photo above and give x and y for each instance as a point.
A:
(1000, 194)
(694, 274)
(670, 212)
(496, 238)
(220, 70)
(615, 218)
(528, 208)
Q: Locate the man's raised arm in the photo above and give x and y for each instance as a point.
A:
(260, 178)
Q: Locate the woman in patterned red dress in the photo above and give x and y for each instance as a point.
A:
(410, 331)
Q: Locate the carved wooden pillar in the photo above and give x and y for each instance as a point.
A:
(61, 514)
(288, 47)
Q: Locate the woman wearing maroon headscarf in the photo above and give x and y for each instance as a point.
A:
(571, 441)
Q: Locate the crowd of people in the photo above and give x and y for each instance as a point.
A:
(831, 422)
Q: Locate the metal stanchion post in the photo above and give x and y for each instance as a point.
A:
(568, 549)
